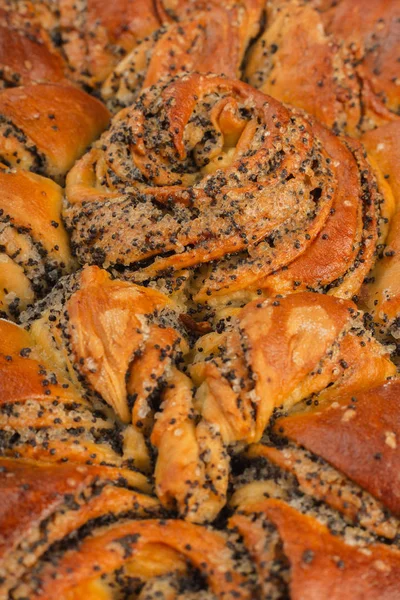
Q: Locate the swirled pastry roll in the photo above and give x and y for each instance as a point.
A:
(211, 175)
(273, 355)
(43, 417)
(210, 37)
(51, 40)
(43, 503)
(96, 35)
(270, 548)
(348, 59)
(33, 242)
(114, 339)
(109, 557)
(45, 128)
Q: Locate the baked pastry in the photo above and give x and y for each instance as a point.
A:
(382, 289)
(33, 242)
(372, 28)
(209, 37)
(60, 39)
(348, 56)
(28, 52)
(203, 159)
(199, 306)
(45, 128)
(324, 351)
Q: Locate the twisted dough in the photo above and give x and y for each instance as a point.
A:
(210, 37)
(208, 171)
(191, 444)
(274, 355)
(119, 344)
(109, 336)
(33, 242)
(59, 40)
(348, 59)
(45, 128)
(28, 53)
(42, 503)
(268, 547)
(381, 293)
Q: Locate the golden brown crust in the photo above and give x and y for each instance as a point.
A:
(274, 354)
(192, 467)
(319, 480)
(373, 28)
(111, 548)
(381, 293)
(26, 59)
(45, 128)
(111, 336)
(42, 503)
(96, 35)
(43, 417)
(325, 85)
(321, 565)
(239, 378)
(32, 237)
(348, 63)
(210, 37)
(358, 435)
(293, 347)
(209, 168)
(28, 53)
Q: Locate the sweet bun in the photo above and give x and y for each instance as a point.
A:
(199, 300)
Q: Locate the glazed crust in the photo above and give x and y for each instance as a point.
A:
(209, 168)
(45, 128)
(325, 86)
(210, 37)
(320, 564)
(374, 28)
(381, 293)
(47, 502)
(33, 239)
(358, 435)
(96, 35)
(193, 404)
(348, 53)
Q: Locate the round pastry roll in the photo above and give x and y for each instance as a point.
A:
(209, 180)
(348, 60)
(44, 503)
(34, 246)
(209, 37)
(45, 128)
(150, 558)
